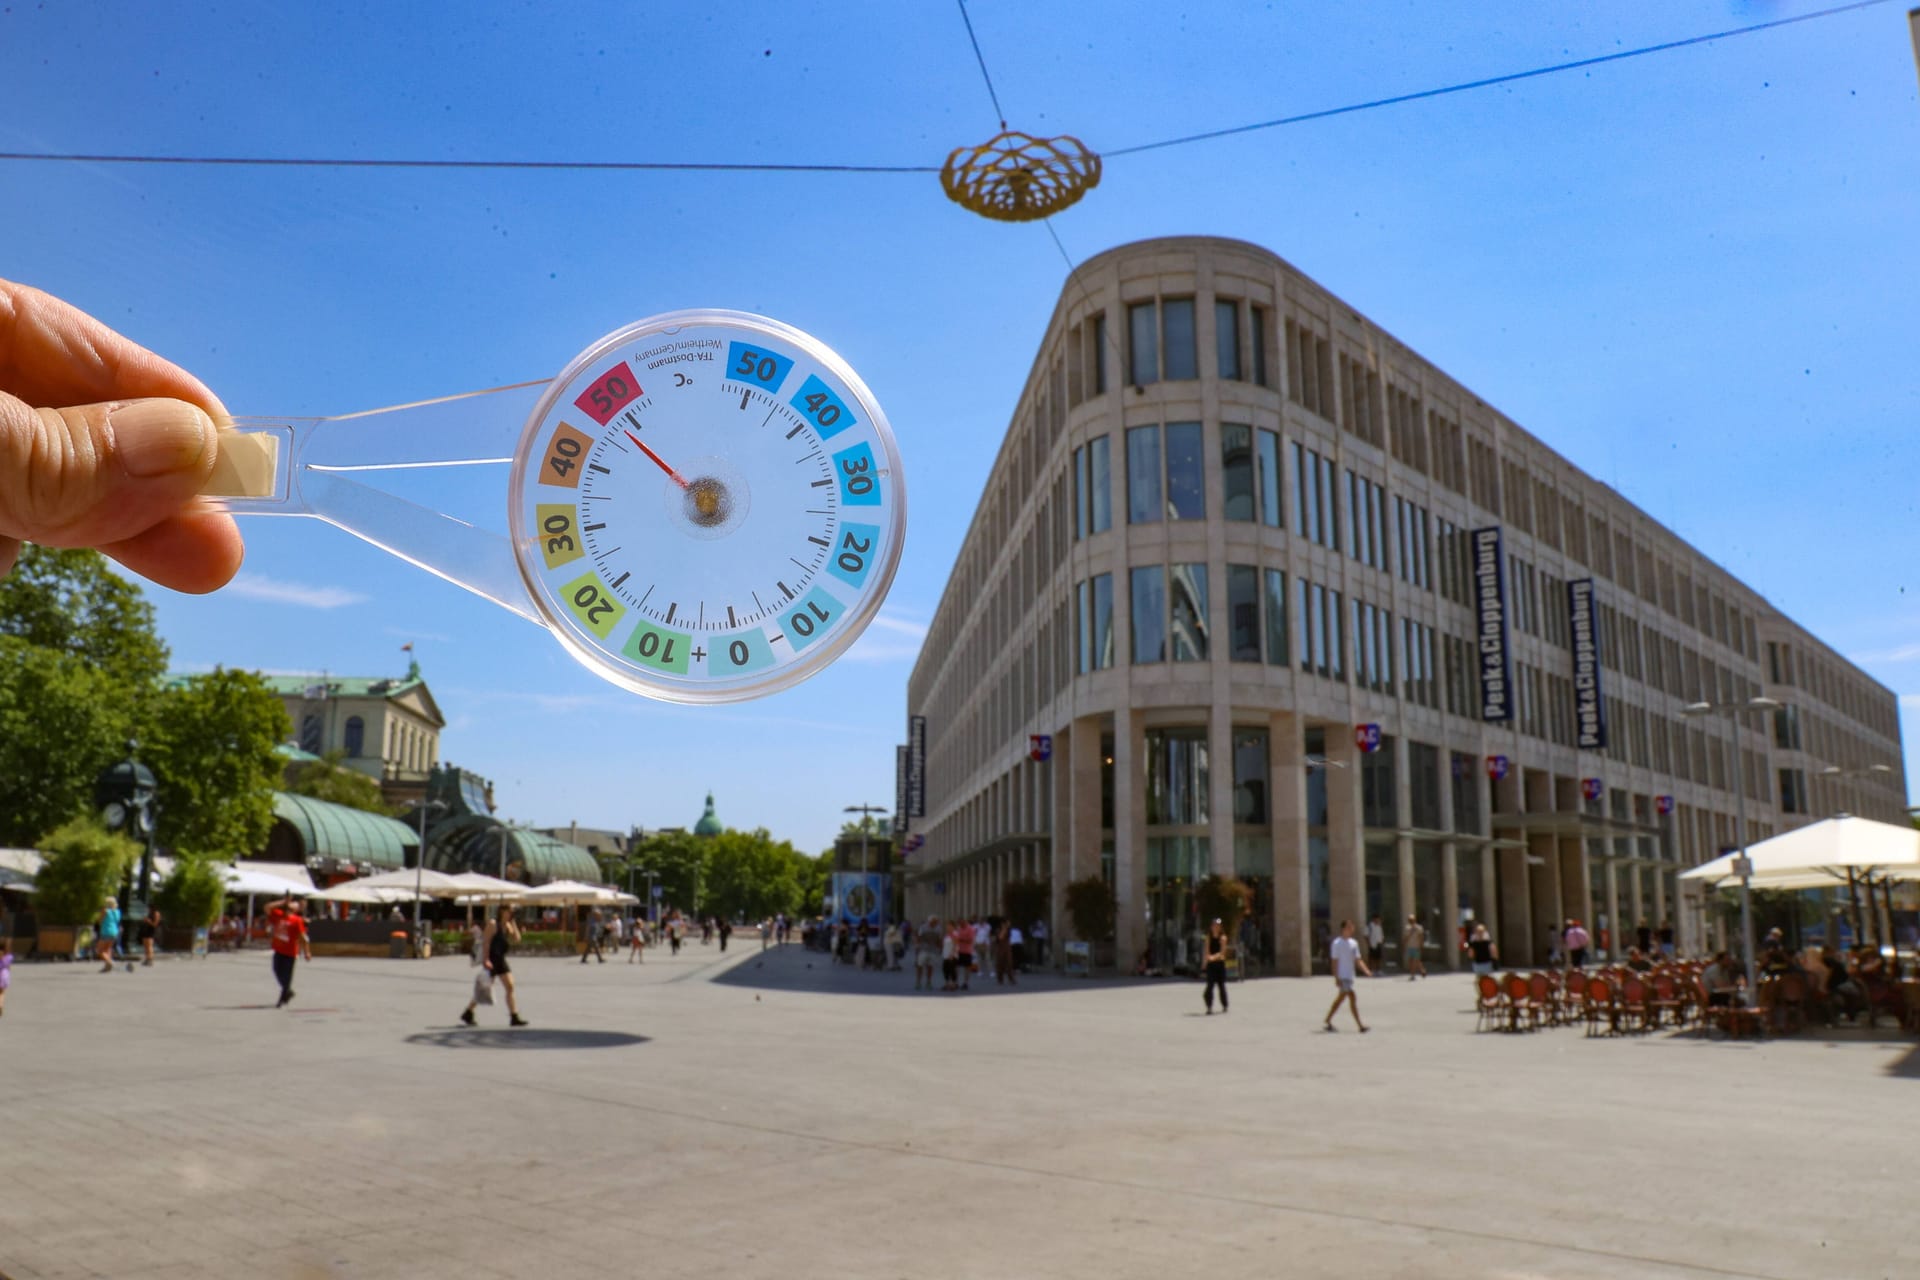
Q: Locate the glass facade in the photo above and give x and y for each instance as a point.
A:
(1383, 895)
(1094, 604)
(1144, 504)
(1269, 475)
(1189, 600)
(1186, 472)
(1177, 777)
(1251, 779)
(1143, 344)
(1226, 337)
(1149, 591)
(1181, 362)
(1276, 617)
(1175, 864)
(1243, 613)
(1236, 472)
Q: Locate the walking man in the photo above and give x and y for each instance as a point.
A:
(1346, 958)
(289, 930)
(1376, 943)
(596, 928)
(1412, 939)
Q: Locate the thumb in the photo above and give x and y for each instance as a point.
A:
(100, 473)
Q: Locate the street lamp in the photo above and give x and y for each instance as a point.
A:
(419, 869)
(1745, 864)
(864, 810)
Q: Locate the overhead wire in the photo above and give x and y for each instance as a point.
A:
(587, 166)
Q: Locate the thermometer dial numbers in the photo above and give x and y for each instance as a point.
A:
(707, 506)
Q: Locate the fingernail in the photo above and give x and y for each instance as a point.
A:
(159, 437)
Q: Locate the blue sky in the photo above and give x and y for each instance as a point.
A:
(1692, 273)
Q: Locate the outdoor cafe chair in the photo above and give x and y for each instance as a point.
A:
(1790, 1002)
(1490, 1002)
(1634, 1010)
(1576, 992)
(1666, 1000)
(1600, 1006)
(1732, 1019)
(1520, 1002)
(1544, 999)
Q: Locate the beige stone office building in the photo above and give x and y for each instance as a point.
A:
(387, 727)
(1231, 522)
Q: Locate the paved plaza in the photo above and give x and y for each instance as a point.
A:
(766, 1113)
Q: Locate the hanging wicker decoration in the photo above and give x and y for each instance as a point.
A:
(1016, 177)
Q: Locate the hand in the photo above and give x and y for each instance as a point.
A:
(104, 444)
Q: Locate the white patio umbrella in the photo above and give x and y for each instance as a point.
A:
(1821, 854)
(358, 891)
(433, 884)
(476, 886)
(565, 892)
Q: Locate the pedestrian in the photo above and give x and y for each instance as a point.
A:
(1480, 947)
(149, 929)
(1376, 943)
(676, 930)
(1003, 974)
(1039, 934)
(949, 958)
(1576, 940)
(1217, 966)
(725, 931)
(926, 953)
(616, 932)
(983, 946)
(637, 942)
(963, 953)
(1017, 947)
(1643, 935)
(891, 940)
(288, 929)
(1412, 939)
(106, 935)
(1666, 939)
(502, 933)
(594, 933)
(1345, 951)
(6, 971)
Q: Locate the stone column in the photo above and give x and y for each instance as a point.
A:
(1576, 889)
(1450, 910)
(1514, 929)
(1129, 836)
(1292, 924)
(1548, 909)
(1346, 842)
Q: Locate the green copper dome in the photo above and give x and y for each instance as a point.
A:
(709, 825)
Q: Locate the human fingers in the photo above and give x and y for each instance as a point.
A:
(51, 352)
(197, 550)
(97, 474)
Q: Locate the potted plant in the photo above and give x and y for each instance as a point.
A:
(83, 864)
(1091, 909)
(190, 898)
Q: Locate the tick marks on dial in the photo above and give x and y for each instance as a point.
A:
(731, 623)
(817, 541)
(804, 568)
(744, 397)
(594, 466)
(593, 528)
(796, 431)
(820, 484)
(784, 587)
(671, 606)
(615, 584)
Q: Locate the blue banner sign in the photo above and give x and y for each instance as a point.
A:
(1490, 608)
(1589, 703)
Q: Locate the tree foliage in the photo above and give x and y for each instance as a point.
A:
(673, 859)
(193, 893)
(84, 865)
(1223, 898)
(750, 875)
(211, 746)
(1092, 909)
(1024, 901)
(62, 721)
(330, 780)
(72, 603)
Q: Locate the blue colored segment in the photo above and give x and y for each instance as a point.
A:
(819, 406)
(739, 652)
(851, 557)
(757, 365)
(809, 620)
(859, 481)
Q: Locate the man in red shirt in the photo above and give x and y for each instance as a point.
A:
(289, 940)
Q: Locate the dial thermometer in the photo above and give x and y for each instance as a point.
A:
(704, 506)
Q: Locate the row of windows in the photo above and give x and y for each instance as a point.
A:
(1162, 345)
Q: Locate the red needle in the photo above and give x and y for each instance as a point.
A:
(658, 461)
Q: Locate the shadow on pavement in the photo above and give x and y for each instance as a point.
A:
(525, 1038)
(794, 968)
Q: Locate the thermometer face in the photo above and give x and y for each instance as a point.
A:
(707, 506)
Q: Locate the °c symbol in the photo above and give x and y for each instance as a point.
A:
(682, 380)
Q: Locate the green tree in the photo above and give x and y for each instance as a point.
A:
(84, 865)
(814, 874)
(677, 862)
(71, 602)
(1025, 901)
(1225, 899)
(212, 748)
(330, 780)
(749, 875)
(193, 893)
(1092, 909)
(62, 721)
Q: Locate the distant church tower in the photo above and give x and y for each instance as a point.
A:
(709, 825)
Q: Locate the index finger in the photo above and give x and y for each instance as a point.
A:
(53, 354)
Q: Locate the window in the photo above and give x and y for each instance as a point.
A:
(1098, 356)
(1149, 614)
(1143, 337)
(1226, 337)
(356, 740)
(1236, 471)
(1267, 461)
(1467, 790)
(1143, 475)
(1316, 508)
(1276, 617)
(1177, 336)
(1793, 791)
(1250, 777)
(1186, 473)
(1423, 784)
(1257, 341)
(310, 734)
(1786, 728)
(1096, 623)
(1243, 613)
(1377, 807)
(1092, 488)
(1177, 777)
(1189, 583)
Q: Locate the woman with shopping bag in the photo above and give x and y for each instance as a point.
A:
(501, 934)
